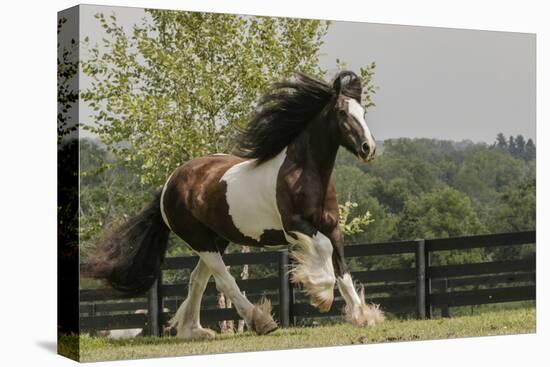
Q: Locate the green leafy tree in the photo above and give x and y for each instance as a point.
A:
(67, 94)
(442, 213)
(180, 85)
(486, 172)
(530, 150)
(352, 225)
(354, 185)
(512, 145)
(105, 185)
(520, 147)
(516, 209)
(393, 193)
(501, 142)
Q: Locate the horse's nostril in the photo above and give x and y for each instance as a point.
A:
(365, 148)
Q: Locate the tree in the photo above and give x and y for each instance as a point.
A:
(512, 145)
(392, 193)
(67, 94)
(520, 147)
(501, 142)
(354, 185)
(530, 150)
(516, 209)
(182, 83)
(444, 212)
(354, 225)
(105, 185)
(486, 172)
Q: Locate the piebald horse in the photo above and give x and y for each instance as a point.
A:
(276, 190)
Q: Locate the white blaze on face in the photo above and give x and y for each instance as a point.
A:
(252, 197)
(355, 109)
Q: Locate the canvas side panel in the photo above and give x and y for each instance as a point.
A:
(67, 183)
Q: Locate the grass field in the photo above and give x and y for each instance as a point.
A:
(491, 323)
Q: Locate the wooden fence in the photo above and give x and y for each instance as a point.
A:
(420, 288)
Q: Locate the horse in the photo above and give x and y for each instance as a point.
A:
(275, 189)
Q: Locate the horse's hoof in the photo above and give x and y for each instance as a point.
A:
(261, 321)
(364, 314)
(272, 328)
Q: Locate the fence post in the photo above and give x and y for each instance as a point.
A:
(93, 313)
(284, 289)
(445, 310)
(154, 308)
(420, 279)
(428, 262)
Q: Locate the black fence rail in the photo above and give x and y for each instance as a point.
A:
(419, 289)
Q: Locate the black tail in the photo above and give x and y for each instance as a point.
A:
(130, 256)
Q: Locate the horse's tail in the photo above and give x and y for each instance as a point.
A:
(129, 256)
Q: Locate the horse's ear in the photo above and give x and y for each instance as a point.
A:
(337, 84)
(348, 83)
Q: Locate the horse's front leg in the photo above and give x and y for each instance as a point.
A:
(357, 311)
(313, 269)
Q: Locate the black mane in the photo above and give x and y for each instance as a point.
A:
(286, 110)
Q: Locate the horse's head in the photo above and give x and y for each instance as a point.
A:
(354, 133)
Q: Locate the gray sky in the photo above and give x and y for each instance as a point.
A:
(433, 82)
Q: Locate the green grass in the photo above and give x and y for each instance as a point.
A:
(490, 323)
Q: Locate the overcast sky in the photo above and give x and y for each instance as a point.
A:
(433, 82)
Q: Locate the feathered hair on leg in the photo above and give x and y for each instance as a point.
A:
(261, 319)
(364, 314)
(310, 271)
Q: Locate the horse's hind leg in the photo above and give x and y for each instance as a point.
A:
(257, 317)
(187, 318)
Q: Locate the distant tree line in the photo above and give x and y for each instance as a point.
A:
(429, 188)
(517, 146)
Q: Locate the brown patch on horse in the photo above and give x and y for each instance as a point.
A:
(195, 203)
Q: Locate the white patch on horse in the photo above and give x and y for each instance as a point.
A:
(251, 196)
(220, 154)
(355, 109)
(347, 290)
(314, 269)
(162, 202)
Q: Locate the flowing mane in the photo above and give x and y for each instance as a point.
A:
(286, 110)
